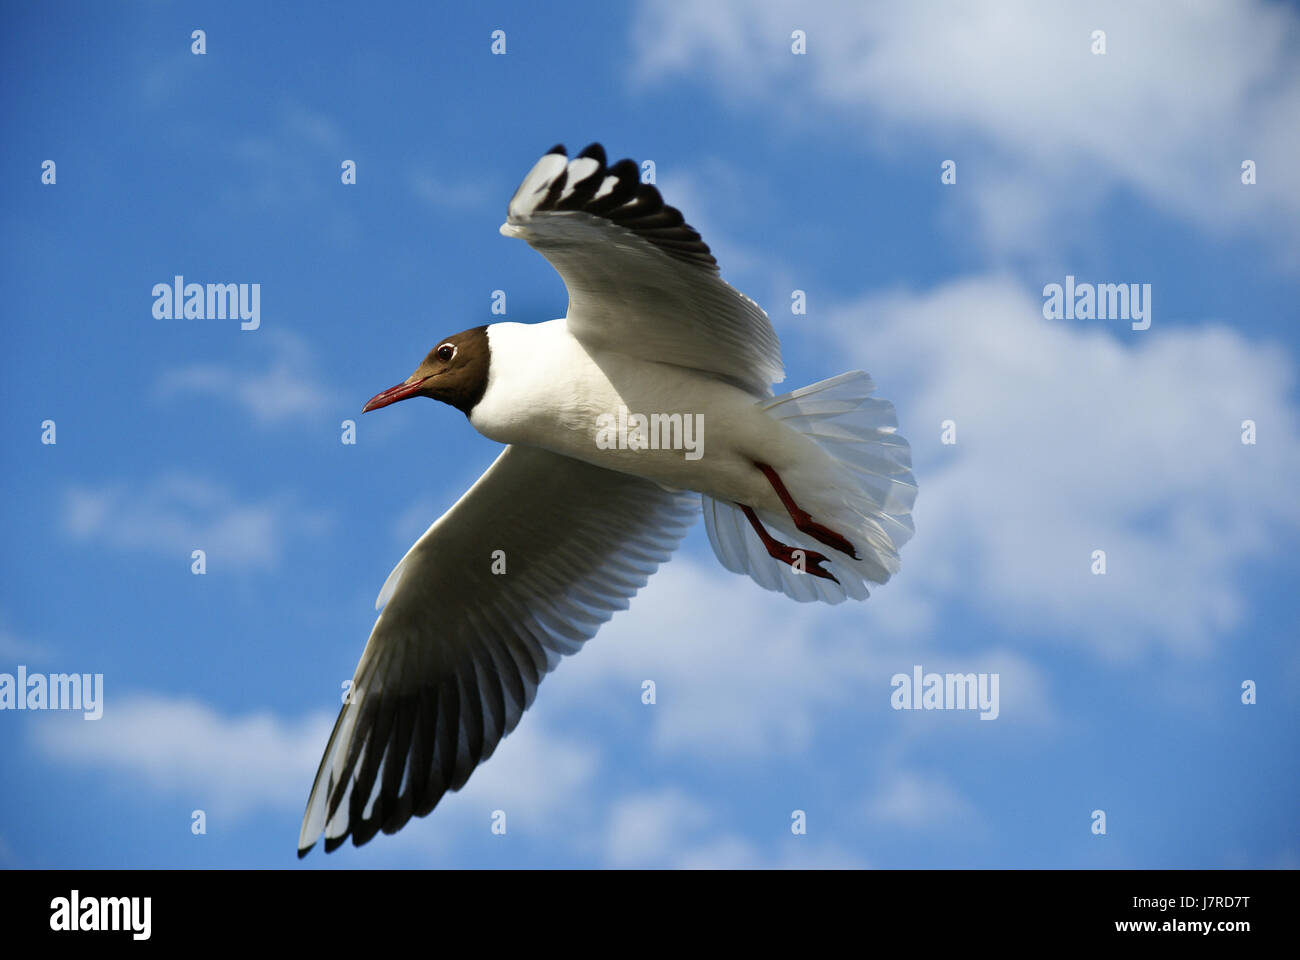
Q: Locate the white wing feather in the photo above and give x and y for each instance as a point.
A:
(457, 654)
(640, 280)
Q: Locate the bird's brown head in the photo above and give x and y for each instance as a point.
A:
(455, 372)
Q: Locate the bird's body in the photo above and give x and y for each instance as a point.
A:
(545, 389)
(646, 405)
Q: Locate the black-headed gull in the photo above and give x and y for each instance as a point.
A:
(649, 399)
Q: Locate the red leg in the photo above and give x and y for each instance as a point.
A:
(785, 553)
(803, 521)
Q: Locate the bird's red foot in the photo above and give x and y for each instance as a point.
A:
(803, 520)
(806, 524)
(798, 559)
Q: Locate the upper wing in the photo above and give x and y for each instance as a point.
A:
(640, 280)
(458, 651)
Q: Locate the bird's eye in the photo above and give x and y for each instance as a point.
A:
(446, 352)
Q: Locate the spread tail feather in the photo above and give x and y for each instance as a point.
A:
(871, 504)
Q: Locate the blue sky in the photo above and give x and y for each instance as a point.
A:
(818, 172)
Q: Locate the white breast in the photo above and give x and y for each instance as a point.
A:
(541, 385)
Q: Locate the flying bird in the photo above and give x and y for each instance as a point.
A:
(647, 404)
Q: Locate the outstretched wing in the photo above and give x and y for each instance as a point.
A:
(640, 280)
(457, 653)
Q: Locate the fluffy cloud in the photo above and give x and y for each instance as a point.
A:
(539, 778)
(748, 666)
(670, 828)
(644, 828)
(227, 764)
(909, 799)
(235, 765)
(177, 514)
(1170, 111)
(1072, 439)
(286, 389)
(742, 674)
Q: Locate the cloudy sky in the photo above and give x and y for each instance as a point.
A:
(819, 171)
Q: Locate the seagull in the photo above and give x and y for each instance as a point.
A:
(647, 404)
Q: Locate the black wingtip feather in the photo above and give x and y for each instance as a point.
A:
(628, 174)
(627, 170)
(632, 204)
(647, 201)
(363, 831)
(557, 188)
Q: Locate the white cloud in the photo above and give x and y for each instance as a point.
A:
(226, 764)
(1170, 111)
(743, 675)
(909, 799)
(289, 387)
(237, 764)
(644, 828)
(539, 778)
(670, 828)
(1071, 440)
(178, 514)
(667, 828)
(745, 679)
(749, 667)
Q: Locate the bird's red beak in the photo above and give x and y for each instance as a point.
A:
(405, 389)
